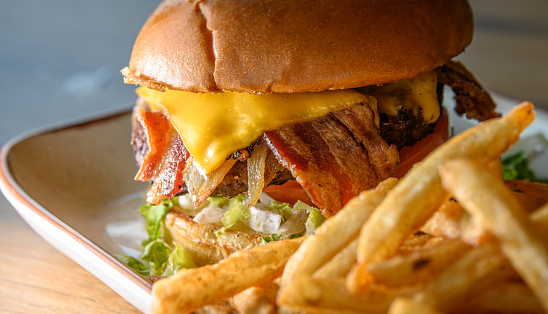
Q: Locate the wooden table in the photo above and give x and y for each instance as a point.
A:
(39, 86)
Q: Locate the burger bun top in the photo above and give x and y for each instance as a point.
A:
(288, 46)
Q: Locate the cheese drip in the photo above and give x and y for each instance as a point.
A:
(213, 126)
(415, 93)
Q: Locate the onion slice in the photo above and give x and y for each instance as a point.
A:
(201, 186)
(255, 174)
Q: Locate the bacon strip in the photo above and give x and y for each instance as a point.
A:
(169, 180)
(160, 153)
(149, 149)
(470, 96)
(335, 157)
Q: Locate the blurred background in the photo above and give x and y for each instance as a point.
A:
(60, 59)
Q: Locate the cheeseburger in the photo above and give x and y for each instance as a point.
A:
(306, 102)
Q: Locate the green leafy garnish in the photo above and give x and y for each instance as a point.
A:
(218, 201)
(156, 253)
(270, 238)
(154, 216)
(178, 259)
(142, 268)
(158, 258)
(516, 167)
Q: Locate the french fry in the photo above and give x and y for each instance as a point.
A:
(536, 189)
(335, 233)
(241, 270)
(315, 295)
(340, 264)
(417, 241)
(413, 201)
(417, 266)
(403, 305)
(508, 297)
(540, 219)
(486, 197)
(448, 289)
(256, 300)
(446, 221)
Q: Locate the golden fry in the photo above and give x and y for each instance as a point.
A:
(537, 189)
(448, 289)
(403, 305)
(340, 264)
(509, 297)
(314, 295)
(256, 300)
(413, 201)
(487, 198)
(190, 289)
(540, 219)
(335, 233)
(417, 266)
(446, 221)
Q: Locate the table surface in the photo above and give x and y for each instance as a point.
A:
(60, 59)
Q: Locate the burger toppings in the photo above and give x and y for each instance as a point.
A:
(336, 156)
(471, 97)
(214, 126)
(319, 139)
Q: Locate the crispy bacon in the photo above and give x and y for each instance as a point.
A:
(335, 157)
(160, 153)
(470, 96)
(150, 148)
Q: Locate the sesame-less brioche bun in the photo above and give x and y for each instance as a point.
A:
(288, 46)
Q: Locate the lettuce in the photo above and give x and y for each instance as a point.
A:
(142, 268)
(315, 218)
(283, 209)
(237, 211)
(270, 238)
(158, 258)
(516, 167)
(178, 259)
(154, 216)
(157, 254)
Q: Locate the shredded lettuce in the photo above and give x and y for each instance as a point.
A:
(315, 218)
(283, 209)
(160, 258)
(270, 238)
(218, 201)
(237, 211)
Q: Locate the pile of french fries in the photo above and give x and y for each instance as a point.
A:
(450, 236)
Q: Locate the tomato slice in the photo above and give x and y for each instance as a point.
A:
(412, 154)
(289, 192)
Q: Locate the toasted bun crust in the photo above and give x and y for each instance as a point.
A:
(201, 243)
(290, 46)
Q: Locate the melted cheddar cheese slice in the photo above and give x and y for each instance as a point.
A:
(418, 94)
(214, 126)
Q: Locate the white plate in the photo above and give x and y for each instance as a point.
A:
(72, 180)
